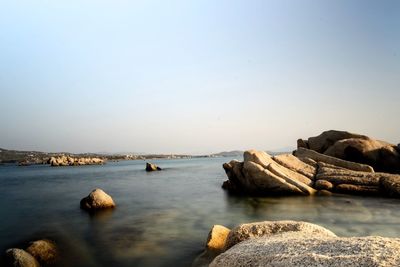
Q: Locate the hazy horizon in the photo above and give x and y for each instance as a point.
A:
(195, 77)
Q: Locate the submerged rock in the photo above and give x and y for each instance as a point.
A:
(152, 167)
(45, 251)
(97, 200)
(20, 258)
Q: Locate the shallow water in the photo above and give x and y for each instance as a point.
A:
(162, 218)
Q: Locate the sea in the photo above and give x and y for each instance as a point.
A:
(162, 218)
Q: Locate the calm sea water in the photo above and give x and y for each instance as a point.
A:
(162, 218)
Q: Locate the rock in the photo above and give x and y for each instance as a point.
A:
(391, 185)
(271, 228)
(20, 258)
(326, 139)
(382, 156)
(259, 174)
(217, 238)
(259, 157)
(292, 249)
(309, 161)
(152, 167)
(266, 161)
(323, 185)
(343, 176)
(45, 251)
(295, 164)
(96, 200)
(307, 153)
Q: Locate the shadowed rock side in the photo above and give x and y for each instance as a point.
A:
(292, 243)
(382, 156)
(152, 167)
(305, 173)
(39, 253)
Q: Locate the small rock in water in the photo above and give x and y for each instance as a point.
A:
(45, 251)
(96, 200)
(152, 167)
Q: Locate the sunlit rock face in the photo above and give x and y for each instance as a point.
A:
(293, 243)
(97, 200)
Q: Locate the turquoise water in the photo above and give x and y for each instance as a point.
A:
(162, 218)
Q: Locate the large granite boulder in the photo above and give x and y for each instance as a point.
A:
(382, 156)
(97, 200)
(296, 249)
(16, 257)
(259, 174)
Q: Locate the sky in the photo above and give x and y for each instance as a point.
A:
(195, 76)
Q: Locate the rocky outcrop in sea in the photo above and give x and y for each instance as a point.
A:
(335, 161)
(72, 161)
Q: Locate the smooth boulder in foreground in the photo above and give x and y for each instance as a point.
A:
(97, 200)
(302, 244)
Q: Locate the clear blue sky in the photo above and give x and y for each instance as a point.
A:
(195, 76)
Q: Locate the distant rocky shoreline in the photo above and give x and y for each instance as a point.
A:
(333, 162)
(26, 158)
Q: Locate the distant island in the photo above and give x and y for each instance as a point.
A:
(24, 158)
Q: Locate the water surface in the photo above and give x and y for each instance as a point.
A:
(162, 218)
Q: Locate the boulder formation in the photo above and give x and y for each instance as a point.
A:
(152, 167)
(39, 253)
(382, 156)
(318, 164)
(97, 200)
(71, 161)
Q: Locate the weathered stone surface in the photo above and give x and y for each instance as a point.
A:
(326, 139)
(271, 228)
(152, 167)
(295, 164)
(381, 155)
(271, 180)
(307, 153)
(292, 249)
(342, 176)
(96, 200)
(324, 193)
(45, 251)
(357, 189)
(323, 185)
(20, 258)
(260, 174)
(309, 161)
(391, 185)
(259, 157)
(217, 238)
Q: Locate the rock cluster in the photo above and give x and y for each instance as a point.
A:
(307, 171)
(39, 253)
(292, 243)
(71, 161)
